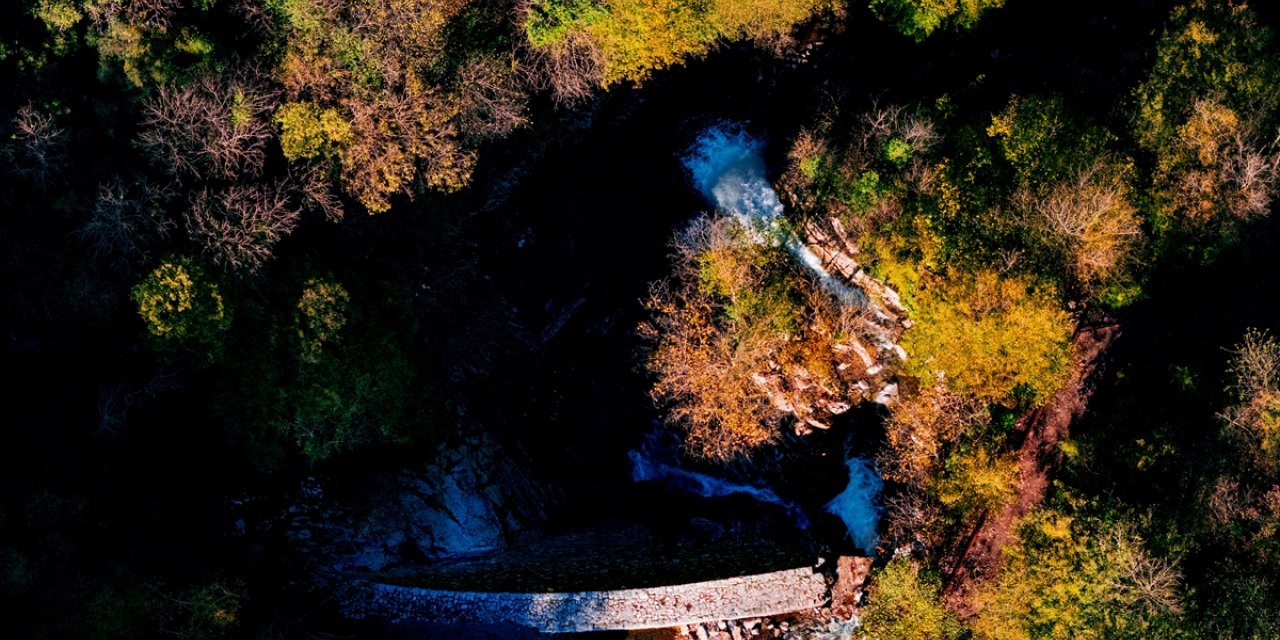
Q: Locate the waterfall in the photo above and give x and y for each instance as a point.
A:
(726, 165)
(856, 505)
(657, 460)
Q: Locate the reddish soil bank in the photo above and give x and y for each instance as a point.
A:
(979, 557)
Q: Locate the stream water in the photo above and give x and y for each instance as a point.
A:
(587, 229)
(726, 165)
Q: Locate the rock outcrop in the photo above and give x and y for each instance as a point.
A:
(471, 500)
(867, 361)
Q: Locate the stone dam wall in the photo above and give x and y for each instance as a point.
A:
(649, 608)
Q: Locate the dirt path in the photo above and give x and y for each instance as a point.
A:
(979, 557)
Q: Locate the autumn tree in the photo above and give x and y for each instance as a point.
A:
(921, 428)
(702, 365)
(741, 343)
(996, 338)
(1071, 213)
(363, 95)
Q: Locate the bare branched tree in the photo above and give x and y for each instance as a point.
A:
(149, 15)
(492, 101)
(571, 70)
(881, 124)
(1147, 583)
(214, 128)
(910, 516)
(238, 226)
(1224, 165)
(115, 401)
(1089, 221)
(126, 218)
(41, 146)
(1253, 421)
(316, 191)
(921, 428)
(1252, 170)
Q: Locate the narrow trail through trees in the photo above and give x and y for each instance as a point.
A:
(980, 557)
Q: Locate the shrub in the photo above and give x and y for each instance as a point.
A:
(905, 604)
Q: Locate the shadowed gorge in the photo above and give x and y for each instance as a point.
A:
(713, 319)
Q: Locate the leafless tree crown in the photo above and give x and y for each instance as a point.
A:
(214, 128)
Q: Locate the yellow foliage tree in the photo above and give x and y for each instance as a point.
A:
(990, 336)
(633, 38)
(182, 310)
(321, 313)
(905, 604)
(978, 479)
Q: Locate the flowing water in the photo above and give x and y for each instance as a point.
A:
(658, 460)
(856, 505)
(726, 164)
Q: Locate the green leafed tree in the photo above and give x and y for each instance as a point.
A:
(920, 18)
(325, 377)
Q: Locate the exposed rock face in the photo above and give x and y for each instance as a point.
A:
(851, 575)
(472, 500)
(450, 513)
(866, 362)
